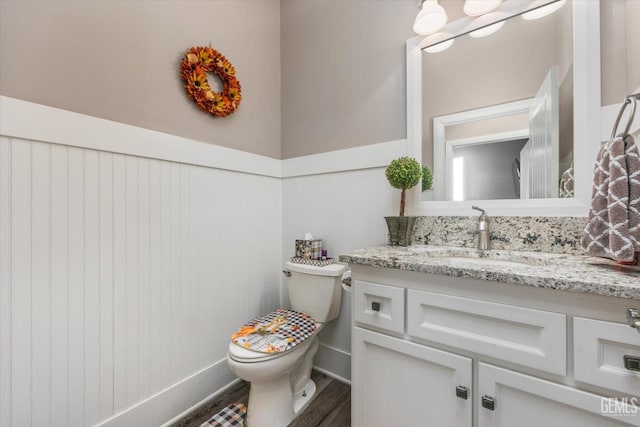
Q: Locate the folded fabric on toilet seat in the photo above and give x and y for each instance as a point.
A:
(275, 332)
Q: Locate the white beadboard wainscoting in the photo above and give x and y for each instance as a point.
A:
(121, 278)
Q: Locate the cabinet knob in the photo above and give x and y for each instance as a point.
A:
(633, 317)
(488, 402)
(462, 392)
(375, 306)
(632, 363)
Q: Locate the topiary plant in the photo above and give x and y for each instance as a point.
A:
(427, 179)
(404, 173)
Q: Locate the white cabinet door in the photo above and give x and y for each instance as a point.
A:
(524, 401)
(399, 383)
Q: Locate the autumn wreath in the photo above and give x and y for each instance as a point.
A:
(193, 68)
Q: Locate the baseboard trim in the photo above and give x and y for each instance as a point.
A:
(200, 404)
(332, 375)
(333, 362)
(189, 392)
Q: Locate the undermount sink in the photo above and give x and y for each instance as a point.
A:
(489, 261)
(469, 256)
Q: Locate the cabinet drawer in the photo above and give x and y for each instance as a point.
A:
(378, 305)
(599, 350)
(528, 337)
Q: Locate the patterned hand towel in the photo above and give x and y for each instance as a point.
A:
(566, 183)
(613, 228)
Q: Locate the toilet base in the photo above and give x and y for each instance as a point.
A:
(302, 399)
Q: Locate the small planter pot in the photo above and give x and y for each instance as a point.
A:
(400, 229)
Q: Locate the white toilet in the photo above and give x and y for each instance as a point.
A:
(281, 385)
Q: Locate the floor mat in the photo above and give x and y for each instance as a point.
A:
(233, 415)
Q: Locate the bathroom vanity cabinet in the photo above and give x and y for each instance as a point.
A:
(434, 350)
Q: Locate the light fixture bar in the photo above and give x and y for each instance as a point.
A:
(505, 10)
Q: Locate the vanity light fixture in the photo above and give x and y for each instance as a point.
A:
(431, 18)
(544, 10)
(480, 7)
(485, 31)
(440, 47)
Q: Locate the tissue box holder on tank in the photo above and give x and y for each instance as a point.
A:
(309, 249)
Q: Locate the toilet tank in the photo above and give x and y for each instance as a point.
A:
(316, 291)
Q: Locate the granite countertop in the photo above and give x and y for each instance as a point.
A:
(565, 272)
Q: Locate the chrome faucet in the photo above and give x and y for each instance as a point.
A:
(484, 238)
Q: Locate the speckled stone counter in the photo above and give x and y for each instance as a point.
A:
(538, 269)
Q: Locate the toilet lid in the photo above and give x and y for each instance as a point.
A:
(276, 332)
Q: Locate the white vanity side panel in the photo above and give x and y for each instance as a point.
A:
(599, 348)
(528, 337)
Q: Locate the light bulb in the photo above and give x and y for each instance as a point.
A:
(431, 18)
(440, 47)
(480, 7)
(485, 31)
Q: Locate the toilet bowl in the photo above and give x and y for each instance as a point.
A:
(280, 377)
(281, 385)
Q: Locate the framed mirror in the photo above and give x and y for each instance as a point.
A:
(509, 184)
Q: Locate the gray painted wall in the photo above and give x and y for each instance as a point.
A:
(343, 73)
(119, 60)
(620, 33)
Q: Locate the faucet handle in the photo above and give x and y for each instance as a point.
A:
(477, 208)
(482, 212)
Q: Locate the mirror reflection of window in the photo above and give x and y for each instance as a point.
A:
(485, 171)
(458, 179)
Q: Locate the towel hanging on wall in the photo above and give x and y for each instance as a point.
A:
(613, 227)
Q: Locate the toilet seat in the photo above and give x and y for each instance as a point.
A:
(271, 335)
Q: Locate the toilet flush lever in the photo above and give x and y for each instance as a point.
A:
(286, 273)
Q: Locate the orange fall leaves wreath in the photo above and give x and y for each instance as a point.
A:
(196, 63)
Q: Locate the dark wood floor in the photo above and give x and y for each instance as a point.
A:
(331, 407)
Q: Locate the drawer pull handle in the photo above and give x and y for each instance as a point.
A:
(462, 392)
(632, 363)
(488, 402)
(375, 306)
(633, 317)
